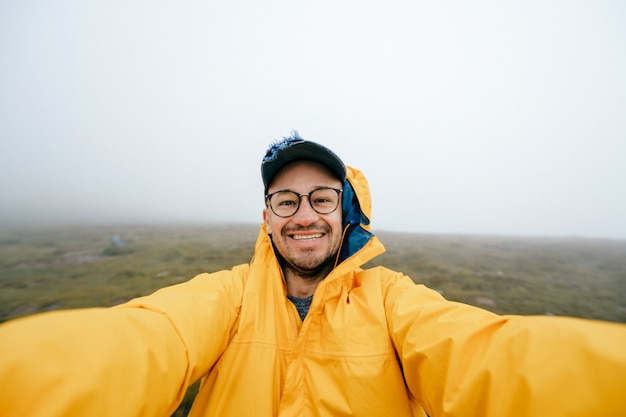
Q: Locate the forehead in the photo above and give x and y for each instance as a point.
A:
(304, 174)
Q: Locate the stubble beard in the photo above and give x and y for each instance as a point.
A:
(305, 265)
(311, 272)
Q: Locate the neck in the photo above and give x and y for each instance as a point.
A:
(299, 287)
(302, 286)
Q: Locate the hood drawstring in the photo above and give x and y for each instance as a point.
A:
(343, 238)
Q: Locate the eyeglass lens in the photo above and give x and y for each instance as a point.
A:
(323, 201)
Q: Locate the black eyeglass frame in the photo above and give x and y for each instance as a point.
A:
(299, 196)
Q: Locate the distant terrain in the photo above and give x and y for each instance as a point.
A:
(47, 269)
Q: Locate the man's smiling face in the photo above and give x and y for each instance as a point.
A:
(308, 241)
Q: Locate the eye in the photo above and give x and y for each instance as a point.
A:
(284, 199)
(322, 200)
(286, 203)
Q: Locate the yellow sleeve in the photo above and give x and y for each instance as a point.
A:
(136, 359)
(460, 360)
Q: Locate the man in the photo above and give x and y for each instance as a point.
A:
(303, 331)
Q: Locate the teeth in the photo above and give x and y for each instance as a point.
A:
(307, 237)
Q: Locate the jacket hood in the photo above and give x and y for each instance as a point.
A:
(357, 210)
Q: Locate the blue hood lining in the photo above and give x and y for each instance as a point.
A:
(356, 237)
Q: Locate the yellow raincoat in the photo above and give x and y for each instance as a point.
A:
(373, 344)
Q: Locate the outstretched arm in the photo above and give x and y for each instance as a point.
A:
(136, 359)
(460, 360)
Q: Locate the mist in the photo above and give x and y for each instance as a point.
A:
(489, 118)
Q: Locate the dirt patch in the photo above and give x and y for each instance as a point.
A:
(79, 257)
(485, 301)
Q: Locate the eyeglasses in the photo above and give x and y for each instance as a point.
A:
(286, 203)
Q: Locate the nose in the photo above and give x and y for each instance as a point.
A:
(305, 214)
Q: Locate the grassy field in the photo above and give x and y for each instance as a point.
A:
(47, 269)
(74, 267)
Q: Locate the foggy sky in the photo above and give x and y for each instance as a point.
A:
(467, 117)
